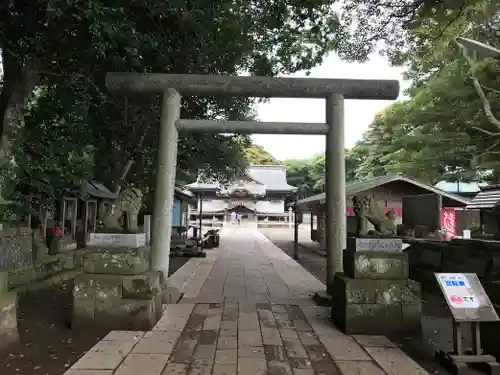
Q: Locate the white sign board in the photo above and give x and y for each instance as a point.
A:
(375, 244)
(135, 240)
(458, 291)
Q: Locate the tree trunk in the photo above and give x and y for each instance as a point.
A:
(17, 86)
(123, 176)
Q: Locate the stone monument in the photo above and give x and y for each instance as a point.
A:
(8, 311)
(374, 294)
(117, 290)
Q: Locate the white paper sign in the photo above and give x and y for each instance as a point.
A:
(458, 291)
(379, 244)
(134, 240)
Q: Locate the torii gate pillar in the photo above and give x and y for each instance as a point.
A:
(165, 181)
(335, 215)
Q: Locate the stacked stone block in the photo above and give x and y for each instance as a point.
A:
(8, 309)
(374, 294)
(116, 289)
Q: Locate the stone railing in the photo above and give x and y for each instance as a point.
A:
(481, 257)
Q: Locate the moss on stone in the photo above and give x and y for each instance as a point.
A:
(376, 265)
(121, 261)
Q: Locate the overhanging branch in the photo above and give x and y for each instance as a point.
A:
(477, 86)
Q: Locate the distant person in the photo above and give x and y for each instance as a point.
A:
(233, 217)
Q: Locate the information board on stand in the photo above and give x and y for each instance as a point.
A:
(466, 297)
(468, 303)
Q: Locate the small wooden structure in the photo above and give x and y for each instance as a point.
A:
(75, 212)
(389, 190)
(180, 218)
(86, 218)
(183, 199)
(487, 204)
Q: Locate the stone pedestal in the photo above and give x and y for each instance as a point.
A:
(374, 295)
(8, 311)
(117, 290)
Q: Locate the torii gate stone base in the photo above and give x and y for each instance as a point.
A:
(172, 87)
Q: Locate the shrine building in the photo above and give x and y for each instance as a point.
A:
(259, 195)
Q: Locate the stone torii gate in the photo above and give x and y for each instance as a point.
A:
(173, 86)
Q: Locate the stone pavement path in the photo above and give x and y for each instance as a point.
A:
(246, 310)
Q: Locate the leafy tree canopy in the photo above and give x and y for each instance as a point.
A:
(256, 154)
(66, 48)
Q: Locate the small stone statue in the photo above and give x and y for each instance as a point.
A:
(359, 207)
(125, 209)
(369, 210)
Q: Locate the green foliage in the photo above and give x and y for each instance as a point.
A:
(75, 130)
(309, 174)
(256, 154)
(297, 173)
(442, 131)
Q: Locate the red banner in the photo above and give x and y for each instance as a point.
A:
(398, 211)
(448, 222)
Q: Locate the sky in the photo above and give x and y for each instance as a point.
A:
(358, 113)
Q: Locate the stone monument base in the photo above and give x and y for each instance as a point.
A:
(376, 307)
(117, 302)
(117, 290)
(374, 295)
(8, 312)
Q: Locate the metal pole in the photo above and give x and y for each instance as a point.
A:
(296, 230)
(335, 220)
(165, 181)
(311, 224)
(200, 219)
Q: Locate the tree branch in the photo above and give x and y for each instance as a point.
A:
(126, 169)
(491, 89)
(477, 86)
(493, 134)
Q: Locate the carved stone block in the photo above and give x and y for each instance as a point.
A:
(375, 265)
(121, 261)
(131, 240)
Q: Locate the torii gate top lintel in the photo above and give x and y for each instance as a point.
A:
(173, 86)
(252, 86)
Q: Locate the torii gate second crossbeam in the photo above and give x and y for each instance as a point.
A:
(172, 86)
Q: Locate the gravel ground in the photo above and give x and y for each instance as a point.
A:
(47, 345)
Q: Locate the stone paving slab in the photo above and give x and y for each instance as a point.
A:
(246, 310)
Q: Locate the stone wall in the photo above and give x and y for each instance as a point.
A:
(481, 257)
(24, 256)
(16, 248)
(478, 256)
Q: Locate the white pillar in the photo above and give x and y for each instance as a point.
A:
(335, 214)
(165, 181)
(147, 228)
(290, 217)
